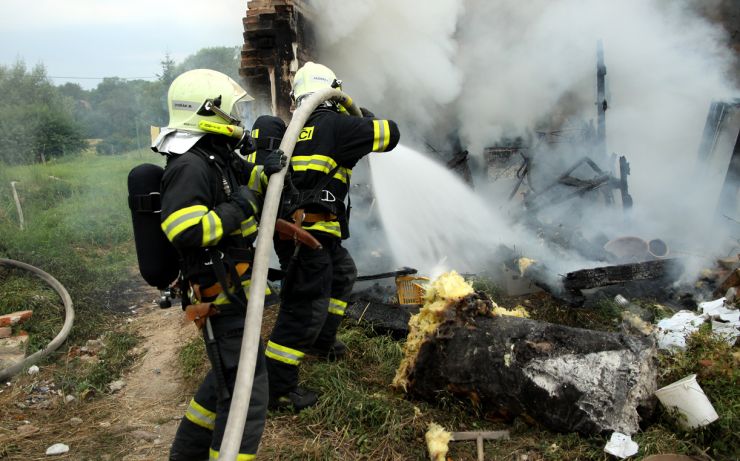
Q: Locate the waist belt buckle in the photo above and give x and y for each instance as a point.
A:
(210, 261)
(327, 196)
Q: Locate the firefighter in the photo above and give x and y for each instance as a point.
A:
(210, 203)
(318, 282)
(267, 132)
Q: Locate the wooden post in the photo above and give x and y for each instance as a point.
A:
(17, 203)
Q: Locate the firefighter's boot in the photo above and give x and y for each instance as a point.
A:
(298, 399)
(335, 352)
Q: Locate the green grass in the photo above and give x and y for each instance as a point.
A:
(487, 285)
(77, 229)
(20, 290)
(193, 361)
(360, 417)
(116, 355)
(712, 359)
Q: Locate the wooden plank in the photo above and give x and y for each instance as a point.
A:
(612, 275)
(486, 435)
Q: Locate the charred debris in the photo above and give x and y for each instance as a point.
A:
(562, 179)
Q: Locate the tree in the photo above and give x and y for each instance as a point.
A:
(169, 70)
(222, 58)
(35, 117)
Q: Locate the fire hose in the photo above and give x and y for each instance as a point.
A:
(69, 316)
(252, 323)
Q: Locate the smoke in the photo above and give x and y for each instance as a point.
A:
(487, 70)
(397, 58)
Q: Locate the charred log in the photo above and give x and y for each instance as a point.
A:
(612, 275)
(373, 308)
(566, 379)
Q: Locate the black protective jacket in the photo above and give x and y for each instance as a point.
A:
(329, 146)
(198, 216)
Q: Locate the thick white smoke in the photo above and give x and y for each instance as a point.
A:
(397, 58)
(487, 69)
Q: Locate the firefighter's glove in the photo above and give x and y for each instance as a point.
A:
(245, 199)
(274, 162)
(366, 113)
(247, 145)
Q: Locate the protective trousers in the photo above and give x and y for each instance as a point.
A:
(199, 435)
(314, 297)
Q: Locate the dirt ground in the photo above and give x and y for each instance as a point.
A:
(153, 398)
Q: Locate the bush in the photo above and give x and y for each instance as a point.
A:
(115, 144)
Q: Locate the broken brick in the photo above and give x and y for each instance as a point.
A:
(14, 318)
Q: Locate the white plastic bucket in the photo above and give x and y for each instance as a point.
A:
(687, 396)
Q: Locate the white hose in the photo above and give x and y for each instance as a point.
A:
(69, 317)
(250, 341)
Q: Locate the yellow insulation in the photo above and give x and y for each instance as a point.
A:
(438, 440)
(447, 288)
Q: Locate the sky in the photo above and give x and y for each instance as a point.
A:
(106, 38)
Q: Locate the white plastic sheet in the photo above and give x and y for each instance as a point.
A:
(672, 332)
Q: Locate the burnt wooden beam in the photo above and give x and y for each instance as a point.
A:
(613, 275)
(372, 307)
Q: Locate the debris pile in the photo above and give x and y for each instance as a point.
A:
(725, 321)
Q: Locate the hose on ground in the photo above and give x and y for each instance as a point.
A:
(69, 316)
(253, 322)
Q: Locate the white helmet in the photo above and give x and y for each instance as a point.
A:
(204, 94)
(312, 77)
(201, 98)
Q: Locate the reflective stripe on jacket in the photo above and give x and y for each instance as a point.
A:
(332, 142)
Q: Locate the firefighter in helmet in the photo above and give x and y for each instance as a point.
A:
(318, 282)
(210, 201)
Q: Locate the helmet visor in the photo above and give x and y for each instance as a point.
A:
(244, 110)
